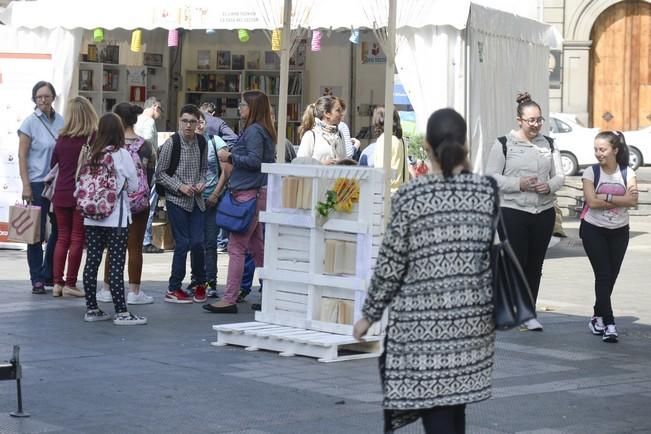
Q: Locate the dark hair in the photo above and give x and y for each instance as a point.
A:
(524, 100)
(202, 115)
(41, 84)
(190, 109)
(128, 113)
(110, 132)
(259, 111)
(618, 142)
(446, 137)
(208, 107)
(378, 122)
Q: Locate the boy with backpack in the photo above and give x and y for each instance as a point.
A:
(181, 177)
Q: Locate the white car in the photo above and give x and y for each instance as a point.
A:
(574, 141)
(639, 145)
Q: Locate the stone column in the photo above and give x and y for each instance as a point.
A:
(576, 73)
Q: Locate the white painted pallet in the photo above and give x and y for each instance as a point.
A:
(292, 341)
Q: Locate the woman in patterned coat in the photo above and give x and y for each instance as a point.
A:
(433, 271)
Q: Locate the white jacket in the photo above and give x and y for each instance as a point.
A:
(525, 159)
(315, 146)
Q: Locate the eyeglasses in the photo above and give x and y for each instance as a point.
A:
(43, 97)
(189, 121)
(242, 104)
(534, 121)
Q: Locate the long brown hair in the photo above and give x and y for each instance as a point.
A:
(110, 132)
(259, 111)
(318, 109)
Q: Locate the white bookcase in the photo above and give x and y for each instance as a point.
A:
(104, 84)
(307, 308)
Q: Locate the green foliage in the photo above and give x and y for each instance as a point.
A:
(415, 143)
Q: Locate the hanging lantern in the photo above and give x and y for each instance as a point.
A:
(275, 40)
(136, 41)
(98, 35)
(354, 36)
(316, 40)
(243, 35)
(173, 38)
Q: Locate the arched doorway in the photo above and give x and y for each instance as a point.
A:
(620, 67)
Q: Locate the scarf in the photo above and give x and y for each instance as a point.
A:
(330, 133)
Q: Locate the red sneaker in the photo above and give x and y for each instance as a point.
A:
(199, 294)
(177, 296)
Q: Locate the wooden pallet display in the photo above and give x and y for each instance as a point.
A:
(300, 297)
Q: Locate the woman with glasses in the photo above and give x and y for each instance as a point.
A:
(256, 145)
(528, 172)
(37, 136)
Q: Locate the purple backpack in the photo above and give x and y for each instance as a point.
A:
(139, 200)
(96, 190)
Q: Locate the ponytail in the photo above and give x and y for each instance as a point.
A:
(449, 155)
(446, 137)
(307, 122)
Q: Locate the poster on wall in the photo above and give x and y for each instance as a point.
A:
(372, 53)
(18, 73)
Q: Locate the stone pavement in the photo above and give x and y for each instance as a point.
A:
(165, 377)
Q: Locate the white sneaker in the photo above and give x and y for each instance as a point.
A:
(139, 298)
(127, 319)
(532, 325)
(104, 296)
(610, 334)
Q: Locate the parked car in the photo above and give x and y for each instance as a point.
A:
(639, 144)
(574, 141)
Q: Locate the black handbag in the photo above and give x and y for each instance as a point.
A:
(512, 299)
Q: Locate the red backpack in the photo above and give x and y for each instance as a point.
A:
(138, 201)
(96, 189)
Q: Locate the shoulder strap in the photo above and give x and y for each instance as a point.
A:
(596, 170)
(176, 154)
(45, 125)
(502, 140)
(201, 140)
(551, 142)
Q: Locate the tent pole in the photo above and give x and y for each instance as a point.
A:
(281, 116)
(388, 107)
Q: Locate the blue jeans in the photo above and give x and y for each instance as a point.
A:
(40, 269)
(247, 276)
(210, 244)
(222, 238)
(153, 201)
(187, 229)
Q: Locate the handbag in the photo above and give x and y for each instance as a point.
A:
(235, 216)
(50, 181)
(24, 224)
(512, 299)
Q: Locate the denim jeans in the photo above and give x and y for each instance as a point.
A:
(40, 268)
(247, 275)
(153, 201)
(210, 244)
(188, 232)
(222, 238)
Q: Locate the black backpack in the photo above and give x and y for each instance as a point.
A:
(176, 157)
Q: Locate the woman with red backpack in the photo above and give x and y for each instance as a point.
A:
(105, 179)
(141, 152)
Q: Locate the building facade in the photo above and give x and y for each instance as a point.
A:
(603, 73)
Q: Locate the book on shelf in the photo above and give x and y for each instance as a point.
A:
(203, 59)
(85, 79)
(253, 60)
(295, 84)
(110, 80)
(223, 59)
(271, 60)
(237, 61)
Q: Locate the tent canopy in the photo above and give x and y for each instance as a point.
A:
(246, 14)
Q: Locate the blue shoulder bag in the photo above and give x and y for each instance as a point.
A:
(235, 216)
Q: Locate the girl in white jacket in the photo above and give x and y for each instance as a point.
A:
(320, 137)
(110, 232)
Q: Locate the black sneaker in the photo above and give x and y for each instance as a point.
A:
(242, 295)
(150, 248)
(211, 291)
(93, 315)
(256, 306)
(610, 334)
(38, 288)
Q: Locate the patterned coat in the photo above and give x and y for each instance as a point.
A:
(433, 270)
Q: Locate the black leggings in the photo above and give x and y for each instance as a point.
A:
(115, 239)
(445, 420)
(529, 234)
(605, 249)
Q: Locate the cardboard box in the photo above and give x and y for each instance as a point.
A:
(162, 236)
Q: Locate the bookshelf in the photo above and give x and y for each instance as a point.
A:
(224, 89)
(104, 84)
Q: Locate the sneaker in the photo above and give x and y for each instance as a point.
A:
(242, 295)
(38, 288)
(189, 290)
(199, 294)
(256, 306)
(150, 248)
(212, 290)
(139, 298)
(596, 325)
(610, 334)
(127, 319)
(104, 296)
(177, 296)
(222, 249)
(532, 325)
(93, 315)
